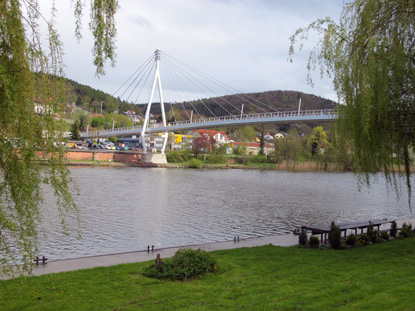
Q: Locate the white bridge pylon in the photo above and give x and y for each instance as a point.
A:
(157, 81)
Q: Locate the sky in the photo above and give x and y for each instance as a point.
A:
(243, 43)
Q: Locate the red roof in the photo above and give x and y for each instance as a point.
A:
(213, 133)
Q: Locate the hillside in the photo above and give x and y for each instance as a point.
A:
(253, 103)
(90, 99)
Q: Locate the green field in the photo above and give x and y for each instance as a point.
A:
(375, 277)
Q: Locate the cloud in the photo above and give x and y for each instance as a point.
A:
(139, 20)
(243, 43)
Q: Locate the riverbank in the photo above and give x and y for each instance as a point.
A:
(57, 266)
(375, 277)
(286, 166)
(112, 158)
(65, 265)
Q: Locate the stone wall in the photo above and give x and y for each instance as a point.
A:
(104, 156)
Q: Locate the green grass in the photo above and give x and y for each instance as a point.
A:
(376, 277)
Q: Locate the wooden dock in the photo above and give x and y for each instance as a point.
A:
(323, 230)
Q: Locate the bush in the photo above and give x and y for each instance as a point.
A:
(351, 240)
(384, 235)
(362, 240)
(215, 158)
(185, 264)
(314, 241)
(302, 238)
(394, 229)
(194, 163)
(334, 236)
(374, 238)
(406, 230)
(370, 230)
(178, 156)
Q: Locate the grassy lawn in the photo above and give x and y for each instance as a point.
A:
(376, 277)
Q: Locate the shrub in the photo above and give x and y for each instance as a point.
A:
(406, 230)
(302, 238)
(215, 158)
(394, 229)
(374, 238)
(362, 239)
(185, 264)
(351, 240)
(194, 163)
(370, 230)
(177, 156)
(334, 236)
(314, 241)
(384, 235)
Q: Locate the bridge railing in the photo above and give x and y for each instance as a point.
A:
(280, 114)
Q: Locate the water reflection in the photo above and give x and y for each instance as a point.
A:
(126, 209)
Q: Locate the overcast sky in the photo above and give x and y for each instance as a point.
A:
(243, 43)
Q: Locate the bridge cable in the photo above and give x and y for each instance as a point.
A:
(149, 69)
(209, 89)
(179, 69)
(222, 97)
(146, 62)
(173, 73)
(144, 84)
(200, 116)
(222, 84)
(169, 74)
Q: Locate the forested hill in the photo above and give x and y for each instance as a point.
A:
(90, 99)
(277, 100)
(253, 103)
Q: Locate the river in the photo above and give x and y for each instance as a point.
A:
(126, 209)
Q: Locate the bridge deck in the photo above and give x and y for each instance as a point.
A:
(228, 121)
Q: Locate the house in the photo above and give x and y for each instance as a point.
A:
(179, 141)
(253, 148)
(220, 137)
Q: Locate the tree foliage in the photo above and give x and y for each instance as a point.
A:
(29, 76)
(317, 140)
(370, 54)
(75, 134)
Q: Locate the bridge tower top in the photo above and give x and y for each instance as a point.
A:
(157, 55)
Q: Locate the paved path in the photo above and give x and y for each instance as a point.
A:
(131, 257)
(64, 265)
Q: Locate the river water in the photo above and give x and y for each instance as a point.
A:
(126, 209)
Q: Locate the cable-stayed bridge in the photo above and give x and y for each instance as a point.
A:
(215, 111)
(220, 122)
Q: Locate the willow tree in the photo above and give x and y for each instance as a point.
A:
(370, 55)
(31, 91)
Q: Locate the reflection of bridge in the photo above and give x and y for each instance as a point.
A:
(227, 121)
(240, 118)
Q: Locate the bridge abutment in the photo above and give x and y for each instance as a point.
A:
(157, 158)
